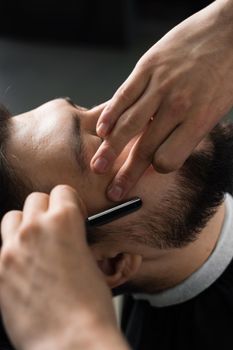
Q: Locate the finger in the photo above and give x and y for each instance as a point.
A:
(142, 154)
(9, 224)
(172, 153)
(124, 97)
(99, 108)
(35, 204)
(126, 177)
(64, 196)
(95, 111)
(131, 123)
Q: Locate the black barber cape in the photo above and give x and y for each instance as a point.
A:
(204, 322)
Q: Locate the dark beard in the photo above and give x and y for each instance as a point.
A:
(186, 208)
(198, 191)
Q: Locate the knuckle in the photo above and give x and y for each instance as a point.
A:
(57, 216)
(133, 121)
(143, 65)
(111, 147)
(124, 94)
(125, 179)
(69, 209)
(8, 256)
(148, 62)
(129, 125)
(9, 216)
(200, 124)
(164, 84)
(29, 228)
(161, 91)
(65, 214)
(62, 187)
(163, 164)
(34, 195)
(179, 103)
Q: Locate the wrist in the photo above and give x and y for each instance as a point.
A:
(218, 19)
(104, 338)
(94, 337)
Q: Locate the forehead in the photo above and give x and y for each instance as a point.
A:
(54, 106)
(50, 120)
(39, 145)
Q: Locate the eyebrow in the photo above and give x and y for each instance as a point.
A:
(69, 100)
(77, 144)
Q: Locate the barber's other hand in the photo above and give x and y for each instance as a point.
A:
(52, 293)
(175, 95)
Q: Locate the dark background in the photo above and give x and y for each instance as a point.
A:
(91, 22)
(83, 49)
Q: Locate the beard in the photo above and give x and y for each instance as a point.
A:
(199, 189)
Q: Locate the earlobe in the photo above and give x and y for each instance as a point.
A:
(120, 269)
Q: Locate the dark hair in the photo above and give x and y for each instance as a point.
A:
(206, 177)
(12, 193)
(12, 188)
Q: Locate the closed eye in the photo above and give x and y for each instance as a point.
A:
(68, 100)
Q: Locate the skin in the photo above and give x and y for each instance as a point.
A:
(42, 241)
(39, 149)
(184, 77)
(173, 106)
(45, 253)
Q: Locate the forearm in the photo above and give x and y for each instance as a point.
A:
(210, 29)
(227, 7)
(224, 10)
(218, 15)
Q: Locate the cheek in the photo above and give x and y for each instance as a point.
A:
(96, 194)
(94, 189)
(91, 144)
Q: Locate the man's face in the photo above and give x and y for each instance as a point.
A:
(54, 143)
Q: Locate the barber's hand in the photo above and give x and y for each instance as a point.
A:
(175, 95)
(53, 296)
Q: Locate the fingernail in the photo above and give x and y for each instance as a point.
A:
(115, 192)
(102, 129)
(101, 164)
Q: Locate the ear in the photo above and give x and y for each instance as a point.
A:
(120, 268)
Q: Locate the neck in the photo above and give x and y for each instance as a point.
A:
(171, 267)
